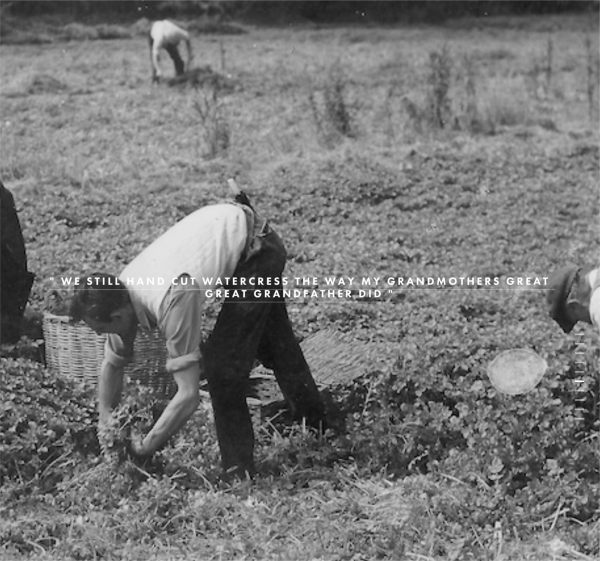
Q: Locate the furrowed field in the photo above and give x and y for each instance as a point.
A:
(469, 150)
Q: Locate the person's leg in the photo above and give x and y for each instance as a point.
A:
(151, 45)
(279, 350)
(228, 357)
(176, 58)
(230, 352)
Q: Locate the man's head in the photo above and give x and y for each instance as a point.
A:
(568, 297)
(102, 301)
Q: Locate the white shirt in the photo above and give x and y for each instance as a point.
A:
(165, 33)
(206, 246)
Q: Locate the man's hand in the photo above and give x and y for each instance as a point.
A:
(108, 436)
(137, 451)
(177, 412)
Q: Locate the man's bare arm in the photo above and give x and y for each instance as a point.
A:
(177, 412)
(110, 387)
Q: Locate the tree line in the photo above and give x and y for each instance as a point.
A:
(323, 11)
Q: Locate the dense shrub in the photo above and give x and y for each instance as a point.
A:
(43, 418)
(330, 107)
(513, 461)
(458, 95)
(438, 88)
(79, 32)
(111, 31)
(435, 410)
(48, 423)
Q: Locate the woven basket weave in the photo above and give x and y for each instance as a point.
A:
(75, 351)
(334, 360)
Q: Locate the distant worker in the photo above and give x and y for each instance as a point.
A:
(166, 35)
(574, 295)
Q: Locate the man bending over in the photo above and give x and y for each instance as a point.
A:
(223, 240)
(574, 295)
(166, 35)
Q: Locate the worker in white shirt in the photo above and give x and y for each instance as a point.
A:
(166, 35)
(217, 241)
(574, 295)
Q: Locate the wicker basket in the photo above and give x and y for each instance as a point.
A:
(75, 351)
(334, 359)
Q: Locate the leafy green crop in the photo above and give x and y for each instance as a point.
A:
(43, 419)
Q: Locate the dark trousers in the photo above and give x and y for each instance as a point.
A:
(249, 328)
(176, 58)
(15, 279)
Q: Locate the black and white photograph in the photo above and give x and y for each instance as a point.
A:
(383, 221)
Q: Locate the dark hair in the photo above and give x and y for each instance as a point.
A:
(97, 296)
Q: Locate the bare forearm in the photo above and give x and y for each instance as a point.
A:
(177, 412)
(110, 386)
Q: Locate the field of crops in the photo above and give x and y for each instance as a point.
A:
(464, 151)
